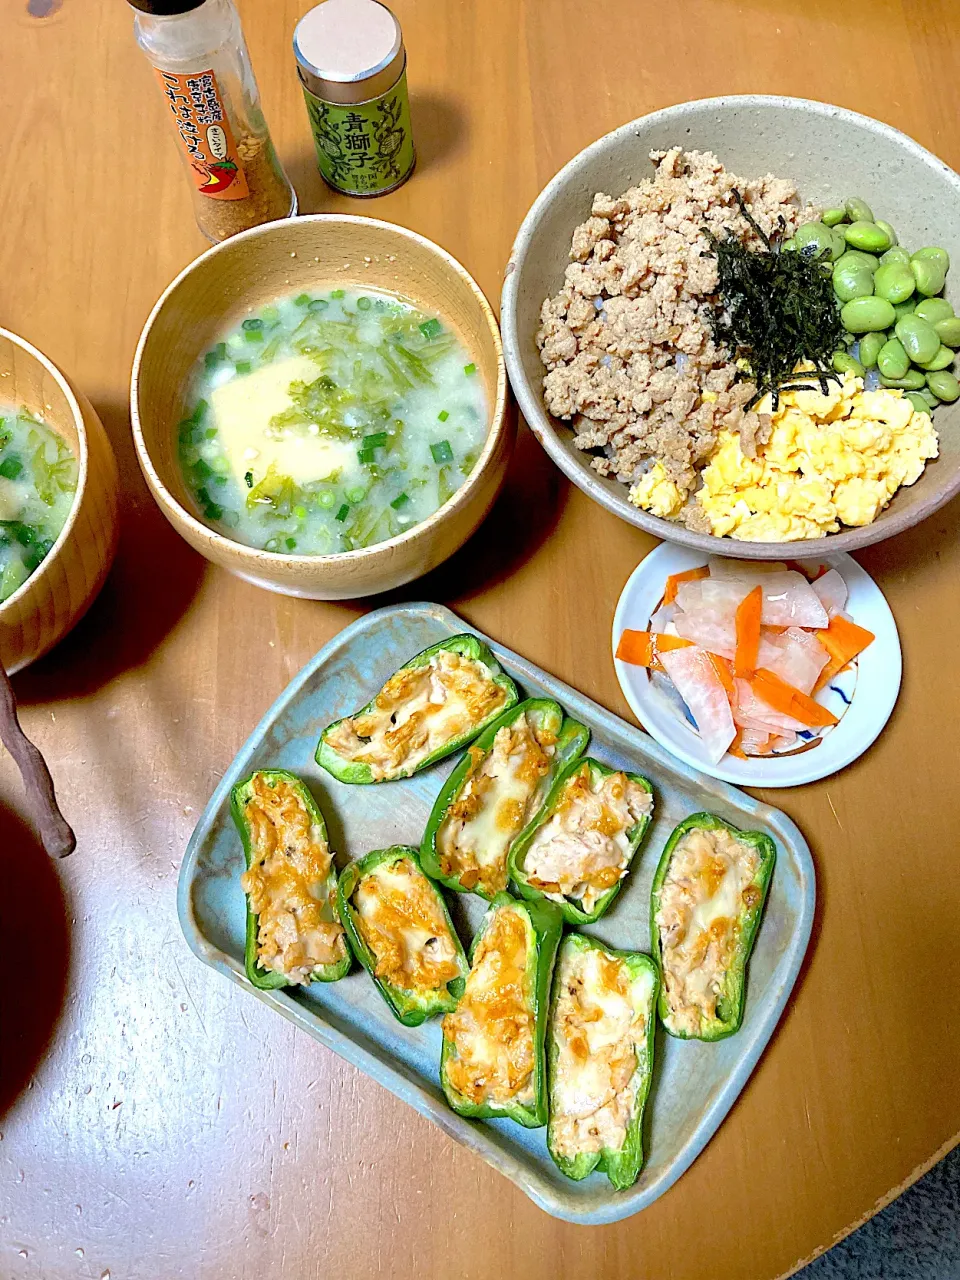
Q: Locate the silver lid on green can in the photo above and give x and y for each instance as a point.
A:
(349, 51)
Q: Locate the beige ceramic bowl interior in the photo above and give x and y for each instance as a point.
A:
(831, 154)
(58, 593)
(235, 278)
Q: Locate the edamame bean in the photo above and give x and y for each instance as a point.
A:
(920, 339)
(918, 402)
(814, 238)
(905, 308)
(832, 216)
(912, 381)
(789, 245)
(948, 330)
(894, 282)
(933, 253)
(869, 348)
(935, 309)
(867, 236)
(854, 282)
(839, 244)
(855, 257)
(944, 386)
(858, 210)
(868, 315)
(891, 234)
(927, 396)
(942, 360)
(893, 361)
(896, 254)
(844, 362)
(929, 275)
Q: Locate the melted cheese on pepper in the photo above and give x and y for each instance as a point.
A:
(583, 849)
(492, 1028)
(708, 887)
(400, 920)
(599, 1027)
(417, 712)
(497, 800)
(298, 929)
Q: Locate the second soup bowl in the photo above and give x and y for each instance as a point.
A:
(249, 271)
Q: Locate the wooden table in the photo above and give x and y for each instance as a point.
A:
(166, 1125)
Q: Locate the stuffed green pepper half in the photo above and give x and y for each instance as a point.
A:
(578, 849)
(707, 898)
(603, 1016)
(294, 934)
(402, 934)
(436, 703)
(494, 792)
(493, 1061)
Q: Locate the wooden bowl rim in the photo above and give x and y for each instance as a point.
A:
(38, 574)
(253, 554)
(546, 428)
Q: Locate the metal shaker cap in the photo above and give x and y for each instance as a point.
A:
(349, 51)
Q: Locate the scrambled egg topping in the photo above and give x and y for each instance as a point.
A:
(656, 493)
(831, 460)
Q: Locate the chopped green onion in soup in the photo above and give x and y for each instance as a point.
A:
(350, 418)
(38, 481)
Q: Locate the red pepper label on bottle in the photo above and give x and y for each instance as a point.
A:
(205, 133)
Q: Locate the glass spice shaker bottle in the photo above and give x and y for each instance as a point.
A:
(353, 72)
(200, 58)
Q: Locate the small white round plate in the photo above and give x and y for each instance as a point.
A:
(863, 696)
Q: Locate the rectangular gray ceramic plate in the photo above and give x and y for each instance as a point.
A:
(695, 1084)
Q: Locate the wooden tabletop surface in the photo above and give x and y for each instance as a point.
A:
(158, 1122)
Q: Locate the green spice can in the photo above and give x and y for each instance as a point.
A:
(353, 71)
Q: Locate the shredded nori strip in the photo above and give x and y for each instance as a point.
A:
(776, 310)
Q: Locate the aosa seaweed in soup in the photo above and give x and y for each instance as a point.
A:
(330, 422)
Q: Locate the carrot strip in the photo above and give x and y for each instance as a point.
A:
(635, 647)
(844, 641)
(675, 579)
(641, 647)
(724, 670)
(665, 643)
(789, 701)
(833, 668)
(748, 633)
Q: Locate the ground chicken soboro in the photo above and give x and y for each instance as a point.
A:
(627, 341)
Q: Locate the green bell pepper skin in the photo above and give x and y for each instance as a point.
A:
(571, 742)
(544, 926)
(571, 912)
(731, 1000)
(269, 979)
(622, 1165)
(469, 646)
(409, 1007)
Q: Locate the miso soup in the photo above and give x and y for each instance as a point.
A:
(38, 480)
(331, 421)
